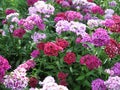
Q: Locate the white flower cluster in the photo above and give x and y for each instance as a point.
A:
(50, 84)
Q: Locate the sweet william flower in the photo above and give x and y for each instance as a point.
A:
(9, 11)
(31, 2)
(62, 43)
(112, 48)
(90, 61)
(62, 75)
(33, 82)
(19, 32)
(35, 53)
(52, 49)
(98, 84)
(40, 45)
(70, 58)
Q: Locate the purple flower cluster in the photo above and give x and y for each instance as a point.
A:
(109, 13)
(4, 66)
(115, 70)
(31, 21)
(100, 37)
(38, 37)
(35, 53)
(98, 84)
(112, 3)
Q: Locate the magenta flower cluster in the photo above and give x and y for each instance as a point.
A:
(4, 66)
(90, 61)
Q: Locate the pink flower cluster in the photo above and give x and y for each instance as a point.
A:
(90, 61)
(17, 79)
(69, 16)
(4, 66)
(31, 21)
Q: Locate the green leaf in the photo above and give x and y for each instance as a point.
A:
(80, 78)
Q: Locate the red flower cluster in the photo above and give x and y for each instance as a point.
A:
(70, 58)
(62, 77)
(62, 43)
(115, 27)
(112, 48)
(9, 11)
(31, 2)
(90, 61)
(19, 32)
(33, 82)
(40, 45)
(52, 49)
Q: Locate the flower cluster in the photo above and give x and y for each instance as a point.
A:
(115, 70)
(4, 66)
(51, 49)
(31, 21)
(97, 10)
(38, 37)
(33, 82)
(19, 32)
(49, 84)
(109, 13)
(42, 8)
(98, 84)
(17, 79)
(76, 27)
(64, 3)
(68, 15)
(31, 2)
(62, 43)
(12, 17)
(90, 61)
(62, 78)
(9, 11)
(70, 58)
(35, 53)
(113, 83)
(116, 26)
(100, 37)
(112, 48)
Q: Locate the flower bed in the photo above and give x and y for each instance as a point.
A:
(60, 45)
